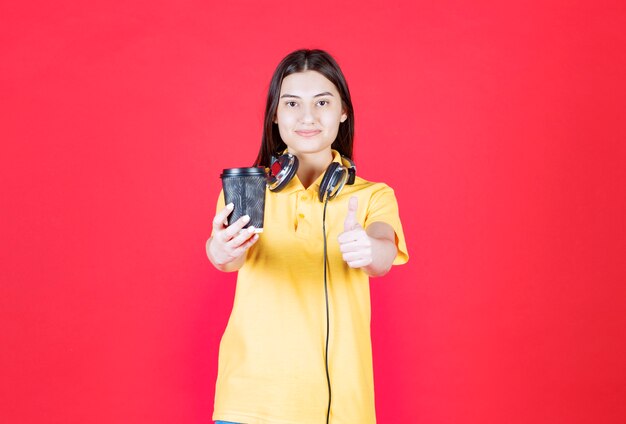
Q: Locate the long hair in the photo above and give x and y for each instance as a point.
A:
(300, 61)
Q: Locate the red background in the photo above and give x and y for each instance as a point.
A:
(500, 126)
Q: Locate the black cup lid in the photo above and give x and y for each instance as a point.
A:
(242, 172)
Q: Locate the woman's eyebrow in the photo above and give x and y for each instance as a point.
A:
(325, 93)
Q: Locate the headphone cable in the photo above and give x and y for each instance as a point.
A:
(327, 311)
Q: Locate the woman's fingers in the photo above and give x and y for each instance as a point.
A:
(233, 229)
(225, 233)
(241, 238)
(241, 249)
(359, 263)
(220, 218)
(354, 256)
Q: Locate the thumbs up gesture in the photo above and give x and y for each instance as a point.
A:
(354, 243)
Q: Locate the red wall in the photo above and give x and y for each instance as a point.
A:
(501, 128)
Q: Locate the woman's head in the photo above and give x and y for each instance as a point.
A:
(326, 72)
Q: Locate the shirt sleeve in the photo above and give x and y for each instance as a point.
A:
(383, 207)
(220, 202)
(219, 205)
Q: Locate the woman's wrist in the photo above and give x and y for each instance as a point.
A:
(384, 251)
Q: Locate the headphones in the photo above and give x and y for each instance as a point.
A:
(284, 167)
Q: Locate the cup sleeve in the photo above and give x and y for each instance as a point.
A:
(383, 207)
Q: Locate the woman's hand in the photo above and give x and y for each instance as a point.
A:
(228, 244)
(354, 243)
(372, 249)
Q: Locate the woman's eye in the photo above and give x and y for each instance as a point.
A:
(291, 104)
(322, 102)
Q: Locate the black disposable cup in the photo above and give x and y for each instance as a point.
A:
(245, 188)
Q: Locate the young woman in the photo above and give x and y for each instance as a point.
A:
(297, 346)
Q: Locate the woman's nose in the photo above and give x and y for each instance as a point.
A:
(308, 115)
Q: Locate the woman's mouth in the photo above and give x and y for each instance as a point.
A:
(308, 133)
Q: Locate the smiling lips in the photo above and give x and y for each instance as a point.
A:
(308, 133)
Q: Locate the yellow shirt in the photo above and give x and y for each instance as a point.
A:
(271, 361)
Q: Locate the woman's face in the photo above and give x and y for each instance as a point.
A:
(309, 112)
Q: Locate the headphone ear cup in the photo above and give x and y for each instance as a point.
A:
(349, 164)
(333, 181)
(282, 171)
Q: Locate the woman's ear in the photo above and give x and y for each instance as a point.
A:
(344, 114)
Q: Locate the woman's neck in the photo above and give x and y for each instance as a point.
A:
(311, 166)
